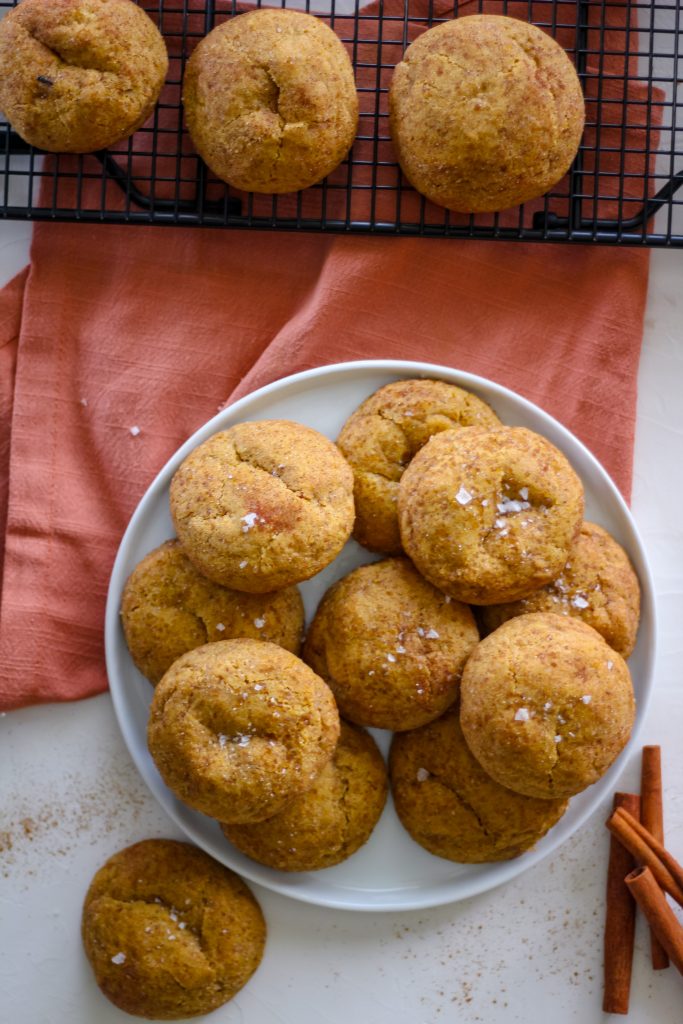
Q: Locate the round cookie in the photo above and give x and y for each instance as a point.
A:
(79, 75)
(546, 705)
(270, 101)
(240, 727)
(598, 585)
(332, 820)
(390, 646)
(489, 515)
(169, 608)
(452, 808)
(485, 112)
(381, 437)
(263, 505)
(169, 932)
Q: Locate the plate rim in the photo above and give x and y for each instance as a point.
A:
(409, 898)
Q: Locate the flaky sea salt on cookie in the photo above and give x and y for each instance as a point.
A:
(489, 515)
(390, 645)
(238, 728)
(263, 505)
(384, 433)
(546, 705)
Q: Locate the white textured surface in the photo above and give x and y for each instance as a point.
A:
(527, 952)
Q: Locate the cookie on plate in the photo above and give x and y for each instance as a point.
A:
(270, 100)
(452, 808)
(546, 705)
(240, 727)
(79, 75)
(489, 515)
(384, 433)
(169, 932)
(329, 822)
(598, 585)
(263, 505)
(485, 112)
(390, 646)
(169, 608)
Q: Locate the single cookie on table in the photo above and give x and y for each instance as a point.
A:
(238, 728)
(169, 608)
(329, 822)
(270, 101)
(489, 516)
(384, 433)
(452, 808)
(79, 75)
(546, 705)
(485, 112)
(390, 646)
(263, 505)
(169, 932)
(598, 585)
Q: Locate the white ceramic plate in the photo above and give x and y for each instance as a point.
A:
(391, 872)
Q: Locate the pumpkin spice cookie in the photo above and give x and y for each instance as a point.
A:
(452, 808)
(270, 100)
(489, 515)
(598, 585)
(329, 822)
(546, 705)
(240, 727)
(263, 505)
(169, 608)
(169, 932)
(381, 437)
(390, 645)
(485, 112)
(79, 75)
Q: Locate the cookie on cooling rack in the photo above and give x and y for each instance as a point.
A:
(79, 75)
(485, 112)
(240, 727)
(489, 515)
(452, 808)
(270, 100)
(546, 705)
(169, 608)
(390, 646)
(169, 932)
(384, 433)
(598, 585)
(329, 822)
(263, 505)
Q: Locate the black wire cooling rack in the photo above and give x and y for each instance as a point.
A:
(622, 188)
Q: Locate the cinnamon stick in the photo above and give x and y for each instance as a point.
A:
(661, 918)
(648, 851)
(652, 817)
(620, 919)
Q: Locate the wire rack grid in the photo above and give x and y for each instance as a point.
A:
(621, 189)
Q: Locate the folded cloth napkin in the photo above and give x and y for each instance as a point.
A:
(126, 339)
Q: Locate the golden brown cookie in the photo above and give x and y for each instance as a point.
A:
(449, 805)
(332, 820)
(240, 727)
(598, 585)
(270, 101)
(169, 608)
(489, 515)
(169, 932)
(79, 75)
(546, 705)
(384, 433)
(263, 505)
(485, 112)
(390, 645)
